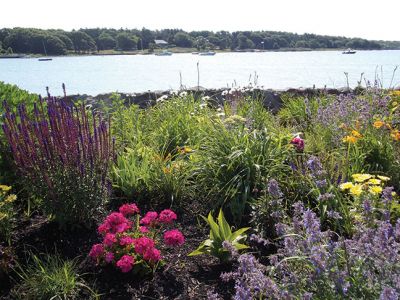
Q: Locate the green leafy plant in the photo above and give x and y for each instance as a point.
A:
(7, 212)
(51, 277)
(220, 232)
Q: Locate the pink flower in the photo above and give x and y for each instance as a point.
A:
(149, 219)
(109, 257)
(128, 209)
(174, 238)
(298, 142)
(96, 251)
(126, 240)
(143, 229)
(152, 255)
(126, 263)
(109, 239)
(103, 228)
(142, 244)
(167, 216)
(117, 222)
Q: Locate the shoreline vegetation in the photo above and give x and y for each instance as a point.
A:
(104, 41)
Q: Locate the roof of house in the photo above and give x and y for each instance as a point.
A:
(158, 42)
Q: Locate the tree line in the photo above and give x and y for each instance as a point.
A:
(59, 42)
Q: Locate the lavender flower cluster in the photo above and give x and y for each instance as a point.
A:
(315, 264)
(63, 152)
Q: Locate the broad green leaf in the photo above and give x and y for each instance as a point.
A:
(214, 227)
(237, 235)
(225, 230)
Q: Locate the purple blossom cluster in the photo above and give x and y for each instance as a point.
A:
(310, 261)
(64, 153)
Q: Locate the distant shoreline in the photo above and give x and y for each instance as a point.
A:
(179, 51)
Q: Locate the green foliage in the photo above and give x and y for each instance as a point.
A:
(232, 162)
(126, 41)
(7, 213)
(220, 231)
(51, 277)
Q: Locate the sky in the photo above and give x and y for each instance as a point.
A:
(377, 20)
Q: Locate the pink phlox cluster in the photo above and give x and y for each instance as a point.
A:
(167, 216)
(96, 251)
(126, 263)
(150, 219)
(129, 209)
(174, 238)
(298, 142)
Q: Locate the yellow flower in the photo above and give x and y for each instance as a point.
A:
(395, 93)
(356, 190)
(383, 178)
(346, 186)
(356, 134)
(11, 198)
(3, 216)
(167, 170)
(376, 190)
(361, 177)
(5, 187)
(378, 124)
(349, 139)
(395, 134)
(374, 181)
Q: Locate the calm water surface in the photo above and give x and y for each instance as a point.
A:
(278, 70)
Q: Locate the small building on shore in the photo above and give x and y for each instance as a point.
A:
(161, 43)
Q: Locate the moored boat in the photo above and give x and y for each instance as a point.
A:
(208, 53)
(349, 51)
(164, 53)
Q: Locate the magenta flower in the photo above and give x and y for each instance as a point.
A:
(129, 209)
(109, 239)
(143, 229)
(149, 219)
(117, 222)
(298, 142)
(103, 228)
(174, 238)
(109, 257)
(96, 251)
(126, 240)
(167, 216)
(152, 255)
(126, 263)
(142, 244)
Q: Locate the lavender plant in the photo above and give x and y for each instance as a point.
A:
(63, 155)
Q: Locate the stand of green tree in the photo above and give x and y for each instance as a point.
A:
(59, 42)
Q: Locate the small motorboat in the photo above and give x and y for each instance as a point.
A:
(45, 59)
(208, 53)
(349, 51)
(164, 53)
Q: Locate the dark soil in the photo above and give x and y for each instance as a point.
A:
(182, 277)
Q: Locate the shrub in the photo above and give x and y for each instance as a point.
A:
(7, 212)
(129, 241)
(63, 155)
(51, 277)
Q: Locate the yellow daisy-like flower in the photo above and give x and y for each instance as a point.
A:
(376, 190)
(3, 216)
(361, 177)
(395, 134)
(5, 188)
(374, 181)
(356, 190)
(383, 178)
(349, 139)
(356, 134)
(378, 124)
(11, 198)
(346, 186)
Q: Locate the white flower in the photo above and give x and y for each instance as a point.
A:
(183, 94)
(205, 98)
(173, 93)
(220, 114)
(202, 105)
(219, 109)
(224, 93)
(162, 98)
